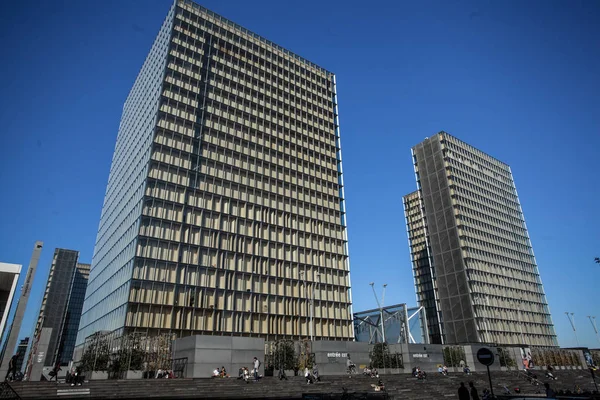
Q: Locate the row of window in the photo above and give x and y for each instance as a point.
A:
(166, 250)
(160, 204)
(212, 230)
(277, 57)
(235, 294)
(251, 69)
(468, 151)
(251, 272)
(285, 155)
(154, 316)
(273, 198)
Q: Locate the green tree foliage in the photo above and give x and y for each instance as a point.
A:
(96, 355)
(453, 355)
(381, 357)
(284, 355)
(505, 359)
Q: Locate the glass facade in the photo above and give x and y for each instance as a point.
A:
(232, 219)
(73, 313)
(473, 263)
(64, 276)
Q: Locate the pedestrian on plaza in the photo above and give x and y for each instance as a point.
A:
(474, 394)
(549, 392)
(282, 374)
(54, 372)
(12, 368)
(463, 392)
(315, 373)
(256, 366)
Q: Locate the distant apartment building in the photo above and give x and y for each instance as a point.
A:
(21, 352)
(9, 276)
(473, 264)
(61, 308)
(224, 211)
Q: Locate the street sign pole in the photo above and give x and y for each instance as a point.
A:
(490, 379)
(486, 357)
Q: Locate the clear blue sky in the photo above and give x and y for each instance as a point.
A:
(516, 79)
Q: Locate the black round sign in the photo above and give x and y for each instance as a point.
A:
(485, 356)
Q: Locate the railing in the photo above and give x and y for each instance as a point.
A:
(179, 366)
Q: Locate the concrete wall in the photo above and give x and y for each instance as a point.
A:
(474, 364)
(331, 356)
(205, 353)
(425, 356)
(37, 366)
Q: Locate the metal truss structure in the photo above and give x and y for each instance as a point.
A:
(392, 324)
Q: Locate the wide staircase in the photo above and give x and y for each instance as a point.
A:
(401, 386)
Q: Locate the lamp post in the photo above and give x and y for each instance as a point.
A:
(571, 317)
(380, 308)
(593, 322)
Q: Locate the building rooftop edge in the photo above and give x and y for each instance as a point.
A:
(254, 34)
(463, 142)
(11, 268)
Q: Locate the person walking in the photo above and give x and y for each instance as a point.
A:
(474, 394)
(316, 373)
(549, 392)
(54, 372)
(463, 392)
(256, 366)
(12, 368)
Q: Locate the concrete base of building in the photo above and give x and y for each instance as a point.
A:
(206, 353)
(99, 375)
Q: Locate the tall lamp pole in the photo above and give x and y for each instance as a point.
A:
(593, 322)
(571, 317)
(380, 305)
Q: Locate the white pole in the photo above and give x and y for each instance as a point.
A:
(572, 321)
(382, 316)
(593, 322)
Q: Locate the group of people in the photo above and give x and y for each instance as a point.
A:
(220, 373)
(418, 373)
(244, 373)
(312, 377)
(165, 374)
(372, 372)
(442, 369)
(12, 374)
(528, 361)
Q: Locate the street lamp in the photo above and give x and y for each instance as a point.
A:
(380, 308)
(572, 321)
(593, 322)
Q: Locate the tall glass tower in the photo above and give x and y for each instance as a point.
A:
(61, 308)
(224, 212)
(474, 268)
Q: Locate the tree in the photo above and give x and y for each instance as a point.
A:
(505, 358)
(284, 356)
(453, 355)
(96, 356)
(126, 359)
(381, 357)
